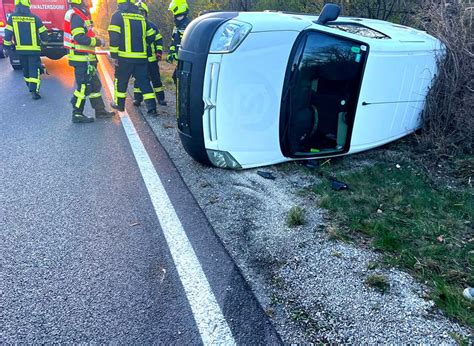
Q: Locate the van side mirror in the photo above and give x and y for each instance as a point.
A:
(329, 13)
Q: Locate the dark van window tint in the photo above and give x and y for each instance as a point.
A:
(323, 92)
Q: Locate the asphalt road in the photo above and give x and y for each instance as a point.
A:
(83, 257)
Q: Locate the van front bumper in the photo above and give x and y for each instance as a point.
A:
(193, 56)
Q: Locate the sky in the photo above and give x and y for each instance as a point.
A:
(95, 5)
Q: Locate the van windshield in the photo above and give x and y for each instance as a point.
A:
(319, 104)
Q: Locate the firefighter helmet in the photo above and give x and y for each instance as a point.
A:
(143, 7)
(178, 7)
(23, 2)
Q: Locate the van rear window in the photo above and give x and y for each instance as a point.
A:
(358, 29)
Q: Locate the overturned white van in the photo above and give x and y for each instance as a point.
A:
(256, 89)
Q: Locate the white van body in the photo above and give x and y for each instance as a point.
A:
(242, 90)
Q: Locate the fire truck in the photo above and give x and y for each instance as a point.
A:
(52, 14)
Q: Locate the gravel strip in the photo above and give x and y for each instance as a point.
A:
(312, 287)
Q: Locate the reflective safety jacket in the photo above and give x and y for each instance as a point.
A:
(130, 34)
(156, 47)
(25, 31)
(177, 36)
(79, 38)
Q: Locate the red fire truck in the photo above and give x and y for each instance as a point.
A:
(52, 14)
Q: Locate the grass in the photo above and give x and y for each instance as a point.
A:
(377, 281)
(295, 217)
(424, 229)
(166, 71)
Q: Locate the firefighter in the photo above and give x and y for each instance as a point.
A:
(130, 34)
(180, 10)
(155, 51)
(80, 41)
(24, 33)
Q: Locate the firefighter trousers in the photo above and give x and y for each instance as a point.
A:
(123, 73)
(32, 69)
(155, 78)
(87, 86)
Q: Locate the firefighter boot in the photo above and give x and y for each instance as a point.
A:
(116, 107)
(35, 95)
(152, 112)
(78, 117)
(103, 113)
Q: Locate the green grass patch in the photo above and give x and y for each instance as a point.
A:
(377, 281)
(421, 228)
(295, 217)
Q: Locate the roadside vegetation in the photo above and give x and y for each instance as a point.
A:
(295, 217)
(419, 226)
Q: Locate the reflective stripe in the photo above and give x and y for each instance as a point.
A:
(145, 46)
(34, 41)
(172, 49)
(121, 95)
(158, 37)
(135, 16)
(149, 96)
(84, 49)
(137, 90)
(42, 29)
(150, 32)
(113, 49)
(128, 35)
(159, 48)
(77, 31)
(95, 95)
(7, 43)
(152, 59)
(128, 52)
(17, 30)
(32, 48)
(34, 37)
(80, 95)
(9, 27)
(114, 28)
(38, 81)
(133, 55)
(160, 89)
(93, 42)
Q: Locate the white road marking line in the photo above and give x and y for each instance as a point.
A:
(208, 316)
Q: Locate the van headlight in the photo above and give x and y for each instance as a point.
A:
(222, 159)
(229, 36)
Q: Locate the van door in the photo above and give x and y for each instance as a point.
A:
(320, 95)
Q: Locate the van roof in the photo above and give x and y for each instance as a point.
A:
(284, 21)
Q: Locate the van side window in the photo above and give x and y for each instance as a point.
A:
(324, 89)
